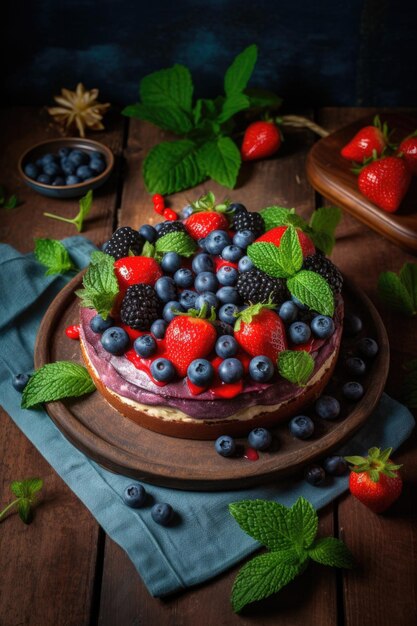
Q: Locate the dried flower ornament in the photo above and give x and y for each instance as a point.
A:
(79, 108)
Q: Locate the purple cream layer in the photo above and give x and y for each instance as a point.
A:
(122, 377)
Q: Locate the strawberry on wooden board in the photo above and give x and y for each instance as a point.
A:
(275, 234)
(408, 149)
(260, 331)
(189, 337)
(366, 141)
(375, 480)
(385, 182)
(261, 140)
(200, 224)
(132, 270)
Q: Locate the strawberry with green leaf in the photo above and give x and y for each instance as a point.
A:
(259, 330)
(275, 235)
(385, 182)
(366, 142)
(206, 217)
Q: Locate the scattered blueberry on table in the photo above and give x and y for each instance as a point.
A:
(135, 495)
(162, 513)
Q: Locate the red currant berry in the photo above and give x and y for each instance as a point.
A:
(170, 215)
(73, 332)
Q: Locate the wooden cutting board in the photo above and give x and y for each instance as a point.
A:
(331, 175)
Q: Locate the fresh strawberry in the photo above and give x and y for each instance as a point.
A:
(131, 270)
(274, 236)
(260, 331)
(375, 480)
(261, 140)
(366, 141)
(202, 223)
(189, 337)
(408, 148)
(385, 182)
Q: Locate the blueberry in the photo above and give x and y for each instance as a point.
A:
(104, 246)
(31, 170)
(235, 207)
(225, 446)
(169, 310)
(202, 243)
(59, 181)
(367, 347)
(230, 370)
(78, 157)
(158, 226)
(288, 311)
(243, 238)
(188, 299)
(187, 211)
(171, 262)
(165, 289)
(206, 281)
(134, 496)
(148, 232)
(202, 263)
(51, 169)
(207, 297)
(97, 166)
(300, 305)
(200, 372)
(228, 313)
(216, 241)
(39, 164)
(20, 381)
(352, 391)
(228, 295)
(352, 325)
(245, 264)
(261, 369)
(99, 325)
(226, 346)
(322, 326)
(73, 180)
(96, 154)
(232, 253)
(355, 365)
(227, 275)
(259, 439)
(68, 167)
(184, 277)
(63, 152)
(44, 179)
(162, 513)
(335, 465)
(115, 340)
(158, 329)
(48, 158)
(145, 346)
(315, 475)
(162, 370)
(84, 172)
(299, 332)
(301, 427)
(327, 407)
(222, 328)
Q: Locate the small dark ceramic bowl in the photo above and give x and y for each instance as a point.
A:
(52, 146)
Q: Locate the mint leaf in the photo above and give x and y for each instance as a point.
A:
(26, 488)
(233, 104)
(55, 381)
(172, 166)
(267, 257)
(290, 251)
(53, 255)
(166, 87)
(295, 366)
(220, 160)
(408, 277)
(313, 291)
(24, 510)
(100, 284)
(323, 224)
(274, 216)
(240, 71)
(261, 577)
(11, 202)
(262, 98)
(172, 118)
(178, 242)
(302, 522)
(323, 241)
(331, 551)
(393, 292)
(85, 205)
(264, 521)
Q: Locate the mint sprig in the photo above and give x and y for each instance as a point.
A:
(54, 381)
(290, 535)
(26, 492)
(296, 366)
(10, 202)
(100, 286)
(312, 290)
(54, 256)
(399, 291)
(85, 204)
(178, 242)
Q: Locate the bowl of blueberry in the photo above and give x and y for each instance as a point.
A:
(66, 167)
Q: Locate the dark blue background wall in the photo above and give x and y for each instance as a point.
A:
(340, 52)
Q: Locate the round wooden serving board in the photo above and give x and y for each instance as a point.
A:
(331, 175)
(122, 446)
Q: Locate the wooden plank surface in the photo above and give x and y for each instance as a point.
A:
(47, 569)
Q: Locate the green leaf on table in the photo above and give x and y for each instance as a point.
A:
(313, 291)
(100, 286)
(240, 71)
(85, 204)
(323, 224)
(26, 492)
(233, 104)
(53, 255)
(11, 202)
(264, 521)
(296, 366)
(394, 294)
(54, 381)
(331, 551)
(172, 166)
(263, 98)
(220, 160)
(179, 242)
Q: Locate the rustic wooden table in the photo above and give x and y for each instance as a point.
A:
(63, 569)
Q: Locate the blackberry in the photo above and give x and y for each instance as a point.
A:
(123, 240)
(140, 307)
(174, 226)
(255, 286)
(244, 220)
(322, 265)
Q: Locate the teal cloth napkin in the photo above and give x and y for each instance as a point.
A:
(207, 540)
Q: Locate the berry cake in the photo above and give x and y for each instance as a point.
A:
(219, 322)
